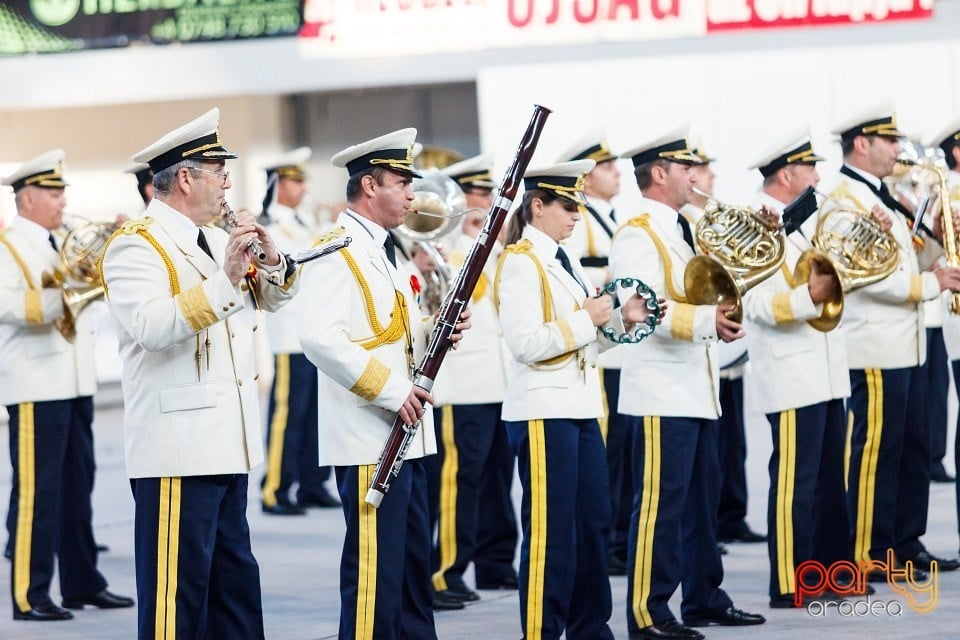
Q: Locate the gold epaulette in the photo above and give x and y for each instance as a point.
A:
(643, 222)
(140, 227)
(333, 234)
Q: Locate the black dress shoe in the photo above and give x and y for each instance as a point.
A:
(443, 603)
(924, 559)
(43, 613)
(732, 617)
(102, 548)
(722, 549)
(8, 553)
(320, 500)
(102, 600)
(460, 592)
(743, 534)
(281, 509)
(878, 575)
(939, 474)
(670, 630)
(507, 582)
(616, 566)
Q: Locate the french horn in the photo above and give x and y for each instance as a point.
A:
(80, 253)
(740, 250)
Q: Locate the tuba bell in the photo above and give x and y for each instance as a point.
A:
(80, 254)
(850, 245)
(438, 203)
(740, 250)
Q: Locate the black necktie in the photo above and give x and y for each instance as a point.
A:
(887, 198)
(53, 242)
(565, 263)
(685, 228)
(613, 215)
(391, 250)
(202, 243)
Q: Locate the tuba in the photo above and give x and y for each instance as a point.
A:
(850, 245)
(740, 251)
(80, 254)
(438, 203)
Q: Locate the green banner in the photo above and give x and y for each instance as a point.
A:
(45, 26)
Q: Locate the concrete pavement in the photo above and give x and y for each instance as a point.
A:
(299, 558)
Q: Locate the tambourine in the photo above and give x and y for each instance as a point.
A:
(649, 324)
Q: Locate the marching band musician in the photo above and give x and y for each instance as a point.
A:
(731, 436)
(551, 407)
(590, 242)
(361, 326)
(179, 291)
(676, 469)
(144, 176)
(292, 414)
(949, 141)
(888, 482)
(48, 384)
(800, 381)
(476, 518)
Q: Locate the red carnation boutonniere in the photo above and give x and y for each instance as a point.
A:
(415, 285)
(251, 271)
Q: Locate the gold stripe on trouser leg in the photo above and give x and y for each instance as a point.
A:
(847, 448)
(649, 505)
(605, 416)
(868, 466)
(538, 529)
(278, 427)
(366, 557)
(447, 525)
(26, 493)
(786, 475)
(168, 557)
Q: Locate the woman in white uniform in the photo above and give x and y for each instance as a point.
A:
(552, 402)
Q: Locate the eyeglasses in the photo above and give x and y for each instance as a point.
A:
(223, 175)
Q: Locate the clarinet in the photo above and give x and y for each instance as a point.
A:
(231, 217)
(401, 436)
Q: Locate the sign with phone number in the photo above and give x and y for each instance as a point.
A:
(40, 26)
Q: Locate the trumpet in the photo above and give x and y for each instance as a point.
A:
(230, 216)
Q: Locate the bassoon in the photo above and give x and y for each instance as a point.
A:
(401, 435)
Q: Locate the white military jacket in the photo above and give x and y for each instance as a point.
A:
(884, 320)
(38, 363)
(358, 312)
(793, 365)
(674, 372)
(474, 372)
(290, 235)
(951, 322)
(191, 403)
(552, 362)
(591, 240)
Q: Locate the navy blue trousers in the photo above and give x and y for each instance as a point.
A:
(475, 474)
(385, 589)
(888, 486)
(673, 531)
(806, 509)
(732, 449)
(196, 574)
(566, 529)
(292, 450)
(619, 441)
(938, 384)
(51, 452)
